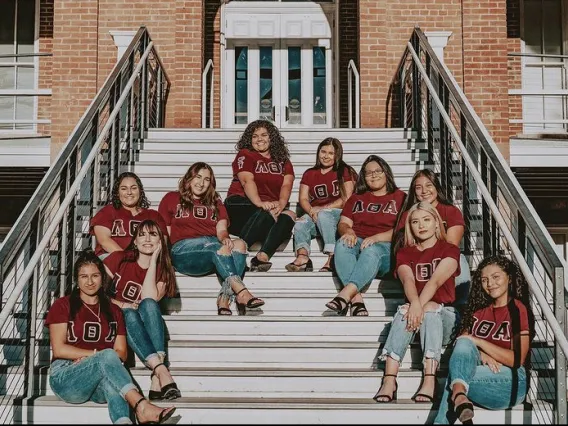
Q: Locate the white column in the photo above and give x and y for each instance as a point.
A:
(438, 40)
(122, 39)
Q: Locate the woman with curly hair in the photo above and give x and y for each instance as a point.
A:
(425, 186)
(197, 222)
(114, 225)
(427, 266)
(367, 221)
(258, 197)
(143, 274)
(491, 357)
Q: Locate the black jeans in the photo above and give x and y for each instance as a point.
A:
(253, 224)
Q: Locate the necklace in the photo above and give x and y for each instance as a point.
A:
(93, 312)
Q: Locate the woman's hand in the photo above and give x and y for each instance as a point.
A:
(349, 238)
(276, 210)
(369, 241)
(493, 365)
(268, 205)
(156, 253)
(314, 211)
(414, 316)
(228, 243)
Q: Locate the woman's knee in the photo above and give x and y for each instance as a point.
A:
(239, 246)
(149, 304)
(464, 346)
(289, 213)
(109, 356)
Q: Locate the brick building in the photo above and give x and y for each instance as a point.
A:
(288, 61)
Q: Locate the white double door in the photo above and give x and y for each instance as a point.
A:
(288, 82)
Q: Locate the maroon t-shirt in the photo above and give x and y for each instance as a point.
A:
(450, 214)
(494, 324)
(323, 188)
(128, 277)
(87, 331)
(268, 175)
(122, 224)
(424, 263)
(372, 214)
(201, 221)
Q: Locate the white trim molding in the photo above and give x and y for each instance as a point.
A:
(438, 40)
(121, 39)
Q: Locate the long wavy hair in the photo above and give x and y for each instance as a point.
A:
(339, 166)
(409, 237)
(208, 199)
(479, 299)
(362, 186)
(432, 177)
(114, 197)
(278, 148)
(166, 272)
(84, 258)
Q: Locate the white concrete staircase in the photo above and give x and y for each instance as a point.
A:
(291, 361)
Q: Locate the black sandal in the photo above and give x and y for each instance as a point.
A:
(169, 391)
(221, 310)
(389, 398)
(257, 265)
(358, 309)
(163, 417)
(464, 411)
(338, 304)
(423, 395)
(253, 302)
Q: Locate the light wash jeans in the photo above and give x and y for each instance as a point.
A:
(463, 281)
(305, 230)
(198, 257)
(435, 332)
(145, 330)
(359, 267)
(483, 387)
(99, 378)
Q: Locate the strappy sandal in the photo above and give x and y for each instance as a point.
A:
(358, 309)
(165, 414)
(169, 391)
(326, 269)
(221, 310)
(430, 398)
(464, 411)
(389, 398)
(338, 304)
(253, 302)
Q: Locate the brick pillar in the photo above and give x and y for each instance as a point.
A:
(348, 22)
(45, 63)
(74, 65)
(514, 64)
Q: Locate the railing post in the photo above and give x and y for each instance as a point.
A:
(486, 215)
(31, 301)
(496, 245)
(416, 92)
(466, 210)
(429, 116)
(445, 152)
(159, 97)
(560, 358)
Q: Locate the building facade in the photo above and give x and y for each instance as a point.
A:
(289, 62)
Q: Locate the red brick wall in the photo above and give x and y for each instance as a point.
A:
(514, 64)
(348, 49)
(45, 63)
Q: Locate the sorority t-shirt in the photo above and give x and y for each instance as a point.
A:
(201, 221)
(423, 264)
(122, 224)
(323, 188)
(128, 277)
(373, 214)
(494, 324)
(268, 174)
(450, 214)
(90, 328)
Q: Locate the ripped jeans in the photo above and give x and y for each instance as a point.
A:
(198, 257)
(435, 331)
(305, 229)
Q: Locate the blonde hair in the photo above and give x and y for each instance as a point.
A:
(409, 238)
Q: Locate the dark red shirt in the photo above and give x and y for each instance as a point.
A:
(128, 277)
(424, 263)
(123, 224)
(86, 330)
(450, 214)
(323, 188)
(201, 221)
(268, 175)
(372, 214)
(494, 324)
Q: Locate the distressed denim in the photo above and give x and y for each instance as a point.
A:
(198, 257)
(435, 332)
(359, 267)
(99, 378)
(145, 331)
(305, 230)
(463, 281)
(483, 387)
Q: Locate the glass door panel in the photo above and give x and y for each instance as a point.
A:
(294, 108)
(266, 84)
(241, 85)
(320, 86)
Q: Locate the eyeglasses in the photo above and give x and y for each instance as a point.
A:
(378, 172)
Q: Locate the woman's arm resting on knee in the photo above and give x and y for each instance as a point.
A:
(223, 234)
(444, 270)
(249, 186)
(346, 232)
(62, 349)
(104, 238)
(285, 191)
(121, 347)
(381, 237)
(499, 354)
(415, 313)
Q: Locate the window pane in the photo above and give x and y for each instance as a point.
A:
(295, 85)
(319, 86)
(25, 29)
(241, 85)
(24, 111)
(25, 77)
(265, 83)
(6, 111)
(6, 78)
(7, 26)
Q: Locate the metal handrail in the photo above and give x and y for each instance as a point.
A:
(537, 55)
(208, 67)
(24, 55)
(352, 72)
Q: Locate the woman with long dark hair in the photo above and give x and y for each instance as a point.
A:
(367, 222)
(258, 197)
(141, 276)
(197, 222)
(113, 226)
(491, 357)
(88, 341)
(324, 189)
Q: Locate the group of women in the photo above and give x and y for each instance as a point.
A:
(367, 224)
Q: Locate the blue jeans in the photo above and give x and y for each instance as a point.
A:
(305, 229)
(145, 330)
(483, 387)
(359, 267)
(463, 281)
(198, 257)
(99, 378)
(435, 332)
